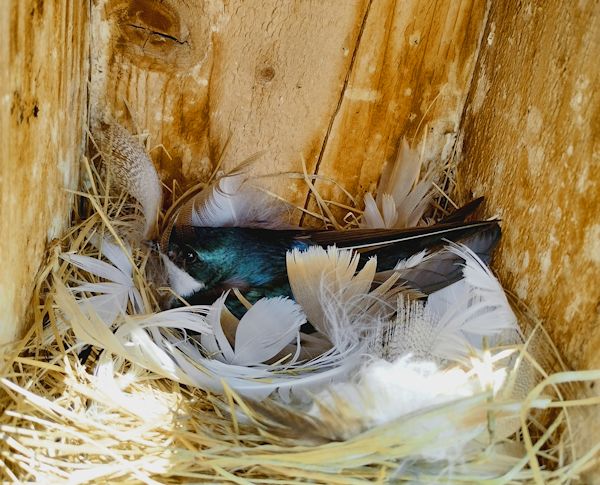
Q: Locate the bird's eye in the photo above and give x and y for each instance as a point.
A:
(190, 257)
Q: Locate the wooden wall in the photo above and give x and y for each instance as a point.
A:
(43, 74)
(336, 82)
(531, 143)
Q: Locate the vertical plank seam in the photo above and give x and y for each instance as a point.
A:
(469, 95)
(339, 103)
(88, 87)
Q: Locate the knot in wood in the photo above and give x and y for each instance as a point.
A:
(266, 74)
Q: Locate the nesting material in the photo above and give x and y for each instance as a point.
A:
(421, 399)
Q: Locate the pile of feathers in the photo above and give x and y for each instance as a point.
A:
(348, 329)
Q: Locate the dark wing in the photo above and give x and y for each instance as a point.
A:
(463, 212)
(413, 239)
(444, 267)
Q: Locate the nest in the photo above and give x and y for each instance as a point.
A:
(111, 419)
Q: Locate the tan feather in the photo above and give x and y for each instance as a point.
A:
(132, 170)
(403, 193)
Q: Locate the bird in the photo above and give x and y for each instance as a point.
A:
(204, 262)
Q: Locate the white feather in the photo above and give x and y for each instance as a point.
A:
(107, 306)
(114, 253)
(183, 318)
(266, 328)
(180, 281)
(115, 294)
(405, 172)
(389, 210)
(99, 268)
(217, 342)
(110, 388)
(454, 297)
(330, 291)
(372, 218)
(487, 313)
(382, 392)
(412, 261)
(402, 195)
(414, 333)
(454, 319)
(233, 202)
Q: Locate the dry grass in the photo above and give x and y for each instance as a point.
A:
(112, 421)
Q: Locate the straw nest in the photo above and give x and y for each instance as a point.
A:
(112, 420)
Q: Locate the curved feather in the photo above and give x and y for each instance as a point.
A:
(403, 195)
(114, 294)
(216, 343)
(266, 328)
(323, 279)
(232, 202)
(372, 218)
(98, 268)
(455, 318)
(132, 169)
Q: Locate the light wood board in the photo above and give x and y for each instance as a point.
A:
(336, 83)
(43, 76)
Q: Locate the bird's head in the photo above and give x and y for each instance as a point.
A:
(183, 255)
(187, 261)
(214, 258)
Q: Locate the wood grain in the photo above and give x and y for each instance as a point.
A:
(413, 68)
(267, 74)
(531, 145)
(337, 83)
(43, 69)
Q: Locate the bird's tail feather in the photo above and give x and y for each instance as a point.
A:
(411, 240)
(460, 214)
(444, 267)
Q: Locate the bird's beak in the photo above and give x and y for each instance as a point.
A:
(153, 245)
(173, 253)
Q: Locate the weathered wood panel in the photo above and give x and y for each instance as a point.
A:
(267, 73)
(413, 68)
(43, 66)
(336, 82)
(531, 144)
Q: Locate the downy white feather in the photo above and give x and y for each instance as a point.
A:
(382, 392)
(402, 195)
(232, 201)
(454, 319)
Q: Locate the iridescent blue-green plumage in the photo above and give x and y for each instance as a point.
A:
(254, 260)
(222, 258)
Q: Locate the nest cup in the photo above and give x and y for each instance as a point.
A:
(326, 134)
